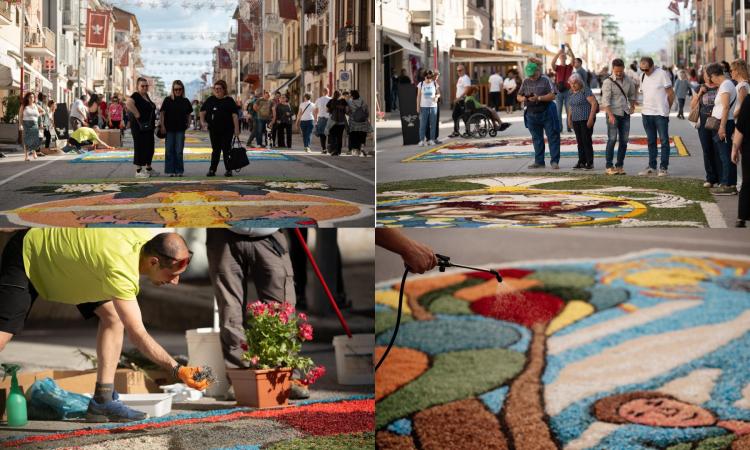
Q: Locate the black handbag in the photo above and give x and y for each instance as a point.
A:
(237, 156)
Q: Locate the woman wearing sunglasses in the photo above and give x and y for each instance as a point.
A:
(143, 112)
(175, 119)
(219, 114)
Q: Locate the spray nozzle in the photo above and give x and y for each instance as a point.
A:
(445, 261)
(10, 369)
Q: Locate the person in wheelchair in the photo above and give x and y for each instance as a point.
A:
(473, 106)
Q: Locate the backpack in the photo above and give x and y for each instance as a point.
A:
(360, 114)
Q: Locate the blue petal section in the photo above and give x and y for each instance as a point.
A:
(493, 400)
(402, 427)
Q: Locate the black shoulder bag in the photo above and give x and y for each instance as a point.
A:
(237, 156)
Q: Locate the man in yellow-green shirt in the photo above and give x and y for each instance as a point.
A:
(98, 271)
(84, 136)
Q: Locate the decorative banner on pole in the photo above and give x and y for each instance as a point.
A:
(570, 20)
(97, 29)
(122, 54)
(225, 61)
(244, 37)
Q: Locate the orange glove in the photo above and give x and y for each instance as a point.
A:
(187, 376)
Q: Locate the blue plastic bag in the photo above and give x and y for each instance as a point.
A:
(46, 401)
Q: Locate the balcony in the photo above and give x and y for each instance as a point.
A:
(315, 6)
(273, 24)
(315, 57)
(41, 44)
(6, 13)
(422, 18)
(472, 29)
(353, 44)
(273, 69)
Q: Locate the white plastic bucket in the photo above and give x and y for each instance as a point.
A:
(155, 405)
(204, 349)
(354, 364)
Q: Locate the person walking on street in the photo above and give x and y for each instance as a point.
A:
(219, 116)
(175, 120)
(306, 121)
(538, 94)
(143, 120)
(563, 72)
(79, 113)
(582, 108)
(721, 123)
(458, 105)
(337, 107)
(658, 97)
(359, 123)
(496, 84)
(321, 119)
(282, 122)
(30, 113)
(619, 96)
(263, 108)
(252, 116)
(682, 91)
(99, 271)
(427, 98)
(394, 90)
(704, 102)
(741, 155)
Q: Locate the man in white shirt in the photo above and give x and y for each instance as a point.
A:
(658, 96)
(321, 116)
(496, 83)
(78, 113)
(458, 106)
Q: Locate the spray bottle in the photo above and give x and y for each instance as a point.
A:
(16, 403)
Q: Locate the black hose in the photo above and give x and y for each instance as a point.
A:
(398, 319)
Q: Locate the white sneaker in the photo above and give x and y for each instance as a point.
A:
(307, 150)
(662, 173)
(647, 173)
(422, 143)
(430, 142)
(152, 173)
(708, 185)
(141, 174)
(355, 152)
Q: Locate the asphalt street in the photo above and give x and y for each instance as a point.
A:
(391, 152)
(350, 178)
(483, 247)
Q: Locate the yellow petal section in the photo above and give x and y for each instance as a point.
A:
(665, 277)
(574, 311)
(390, 298)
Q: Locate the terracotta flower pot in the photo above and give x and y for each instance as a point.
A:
(261, 388)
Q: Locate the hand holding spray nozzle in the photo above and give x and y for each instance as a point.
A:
(445, 261)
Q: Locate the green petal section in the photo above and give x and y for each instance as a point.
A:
(562, 278)
(453, 376)
(336, 442)
(385, 320)
(448, 304)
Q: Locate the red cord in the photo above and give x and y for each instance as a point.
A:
(322, 281)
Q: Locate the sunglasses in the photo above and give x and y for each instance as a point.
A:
(178, 264)
(178, 89)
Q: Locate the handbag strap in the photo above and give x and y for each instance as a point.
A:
(620, 87)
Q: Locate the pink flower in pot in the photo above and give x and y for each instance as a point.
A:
(313, 375)
(305, 332)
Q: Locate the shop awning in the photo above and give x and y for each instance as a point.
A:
(10, 74)
(404, 43)
(477, 55)
(535, 49)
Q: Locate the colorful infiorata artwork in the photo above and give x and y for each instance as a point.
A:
(643, 351)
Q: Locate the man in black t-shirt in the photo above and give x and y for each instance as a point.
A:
(219, 113)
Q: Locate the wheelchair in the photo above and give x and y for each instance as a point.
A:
(478, 123)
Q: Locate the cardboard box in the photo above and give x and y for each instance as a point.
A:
(111, 137)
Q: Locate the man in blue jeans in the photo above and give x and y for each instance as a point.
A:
(538, 95)
(658, 97)
(619, 95)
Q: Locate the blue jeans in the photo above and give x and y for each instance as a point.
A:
(427, 116)
(711, 163)
(394, 97)
(539, 123)
(654, 125)
(307, 128)
(260, 132)
(560, 101)
(724, 149)
(619, 131)
(175, 144)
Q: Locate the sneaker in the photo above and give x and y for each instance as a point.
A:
(578, 166)
(211, 173)
(536, 166)
(589, 167)
(349, 152)
(355, 152)
(663, 173)
(324, 152)
(112, 411)
(708, 184)
(504, 126)
(422, 143)
(141, 174)
(555, 166)
(298, 391)
(152, 173)
(438, 141)
(648, 172)
(724, 190)
(308, 150)
(740, 224)
(228, 173)
(455, 134)
(611, 171)
(620, 170)
(430, 142)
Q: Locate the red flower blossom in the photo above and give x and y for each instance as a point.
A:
(244, 346)
(305, 332)
(313, 375)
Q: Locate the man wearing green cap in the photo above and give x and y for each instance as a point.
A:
(538, 94)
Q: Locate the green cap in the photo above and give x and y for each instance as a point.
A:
(530, 69)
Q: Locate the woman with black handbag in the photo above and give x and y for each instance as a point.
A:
(219, 114)
(142, 122)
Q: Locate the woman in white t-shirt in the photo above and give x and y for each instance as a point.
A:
(306, 120)
(30, 112)
(726, 98)
(427, 101)
(740, 75)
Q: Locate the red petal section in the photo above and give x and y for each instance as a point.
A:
(524, 308)
(506, 273)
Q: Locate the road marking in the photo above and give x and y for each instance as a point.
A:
(24, 172)
(713, 214)
(348, 172)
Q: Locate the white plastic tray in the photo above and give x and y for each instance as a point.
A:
(155, 405)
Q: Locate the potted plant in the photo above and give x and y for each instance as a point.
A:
(274, 333)
(9, 126)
